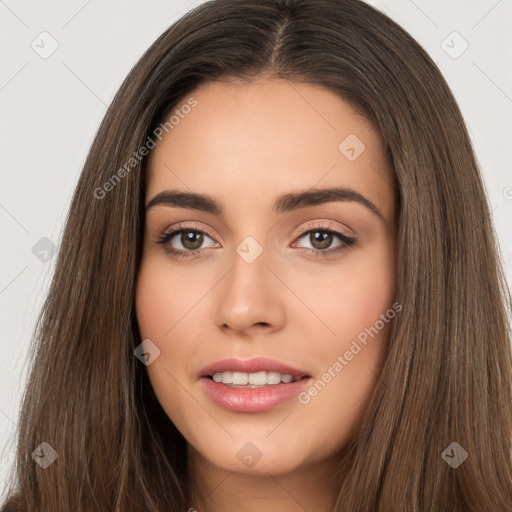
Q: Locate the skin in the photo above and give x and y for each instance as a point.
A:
(246, 144)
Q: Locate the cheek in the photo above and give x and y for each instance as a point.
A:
(161, 307)
(166, 296)
(351, 297)
(156, 298)
(357, 306)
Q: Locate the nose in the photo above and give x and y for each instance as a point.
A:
(251, 298)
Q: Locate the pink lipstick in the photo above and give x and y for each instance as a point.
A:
(252, 385)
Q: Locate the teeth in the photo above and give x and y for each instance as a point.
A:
(252, 379)
(240, 378)
(258, 379)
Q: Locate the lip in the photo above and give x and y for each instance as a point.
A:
(253, 365)
(252, 399)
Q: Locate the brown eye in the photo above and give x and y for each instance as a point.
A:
(184, 242)
(191, 240)
(320, 240)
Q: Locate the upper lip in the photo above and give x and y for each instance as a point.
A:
(253, 365)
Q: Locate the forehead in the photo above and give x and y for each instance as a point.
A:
(251, 142)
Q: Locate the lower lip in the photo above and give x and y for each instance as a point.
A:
(252, 399)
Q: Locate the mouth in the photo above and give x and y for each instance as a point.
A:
(253, 385)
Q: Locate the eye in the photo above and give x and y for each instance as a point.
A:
(190, 238)
(321, 239)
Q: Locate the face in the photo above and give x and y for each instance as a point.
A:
(257, 271)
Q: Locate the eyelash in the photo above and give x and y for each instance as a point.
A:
(347, 241)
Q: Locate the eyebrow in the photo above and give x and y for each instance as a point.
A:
(285, 203)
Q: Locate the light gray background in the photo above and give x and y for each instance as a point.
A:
(51, 108)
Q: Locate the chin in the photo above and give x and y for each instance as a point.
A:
(256, 455)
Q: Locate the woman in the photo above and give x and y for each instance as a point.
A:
(203, 348)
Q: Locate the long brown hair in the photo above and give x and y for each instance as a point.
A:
(448, 373)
